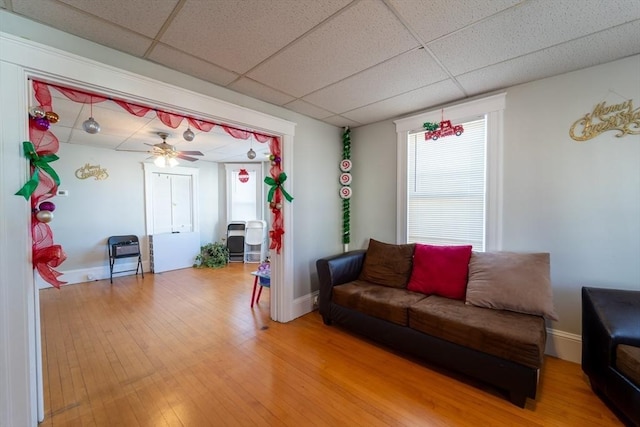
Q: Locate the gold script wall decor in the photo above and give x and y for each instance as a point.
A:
(617, 117)
(88, 171)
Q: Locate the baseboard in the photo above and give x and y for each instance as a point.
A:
(83, 275)
(564, 345)
(304, 305)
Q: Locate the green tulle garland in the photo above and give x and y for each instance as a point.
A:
(346, 203)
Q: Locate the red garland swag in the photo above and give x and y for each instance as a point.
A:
(46, 255)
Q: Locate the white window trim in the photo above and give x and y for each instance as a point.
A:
(258, 168)
(493, 106)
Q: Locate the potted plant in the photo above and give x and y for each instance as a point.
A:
(212, 255)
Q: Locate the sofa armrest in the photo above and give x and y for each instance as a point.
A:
(336, 270)
(609, 317)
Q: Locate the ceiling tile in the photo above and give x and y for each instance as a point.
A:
(401, 74)
(260, 91)
(307, 109)
(596, 49)
(191, 65)
(416, 100)
(98, 140)
(239, 37)
(527, 28)
(127, 13)
(360, 37)
(341, 121)
(441, 17)
(83, 25)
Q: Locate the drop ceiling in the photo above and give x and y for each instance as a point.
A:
(350, 62)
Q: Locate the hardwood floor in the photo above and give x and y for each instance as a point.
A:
(184, 348)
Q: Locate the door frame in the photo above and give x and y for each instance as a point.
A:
(23, 59)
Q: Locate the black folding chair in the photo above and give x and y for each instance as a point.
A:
(124, 247)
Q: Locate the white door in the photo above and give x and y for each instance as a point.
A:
(172, 203)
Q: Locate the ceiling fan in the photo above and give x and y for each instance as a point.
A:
(166, 154)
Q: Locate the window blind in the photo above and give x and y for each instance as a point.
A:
(447, 187)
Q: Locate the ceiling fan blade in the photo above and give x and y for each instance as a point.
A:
(187, 158)
(192, 153)
(132, 151)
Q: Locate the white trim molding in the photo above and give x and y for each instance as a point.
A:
(492, 107)
(564, 345)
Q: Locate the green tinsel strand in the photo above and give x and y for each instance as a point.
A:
(346, 203)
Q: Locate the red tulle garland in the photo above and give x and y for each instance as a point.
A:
(277, 226)
(46, 143)
(46, 256)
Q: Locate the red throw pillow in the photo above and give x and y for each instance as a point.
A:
(440, 270)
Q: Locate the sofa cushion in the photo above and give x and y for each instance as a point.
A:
(440, 270)
(511, 281)
(505, 334)
(383, 302)
(387, 264)
(628, 362)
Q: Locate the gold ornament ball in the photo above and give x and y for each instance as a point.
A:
(52, 117)
(44, 216)
(278, 205)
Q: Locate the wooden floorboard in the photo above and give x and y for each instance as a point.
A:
(184, 348)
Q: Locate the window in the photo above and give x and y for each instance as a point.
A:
(244, 191)
(446, 187)
(449, 189)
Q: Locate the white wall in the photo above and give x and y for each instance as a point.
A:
(97, 209)
(578, 201)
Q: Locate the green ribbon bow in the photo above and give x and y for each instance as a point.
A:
(38, 163)
(277, 184)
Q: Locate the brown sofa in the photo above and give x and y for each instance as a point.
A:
(611, 348)
(500, 347)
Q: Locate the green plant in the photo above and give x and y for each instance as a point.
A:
(212, 255)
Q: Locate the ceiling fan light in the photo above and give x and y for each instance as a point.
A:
(188, 135)
(172, 162)
(251, 154)
(91, 126)
(160, 161)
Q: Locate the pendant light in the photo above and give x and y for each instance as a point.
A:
(90, 125)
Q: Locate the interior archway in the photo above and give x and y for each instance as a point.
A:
(23, 60)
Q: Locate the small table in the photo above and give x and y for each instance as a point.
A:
(262, 278)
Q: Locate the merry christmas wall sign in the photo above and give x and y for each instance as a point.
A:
(621, 117)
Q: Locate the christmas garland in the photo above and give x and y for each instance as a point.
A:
(345, 191)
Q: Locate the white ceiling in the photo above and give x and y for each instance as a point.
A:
(348, 62)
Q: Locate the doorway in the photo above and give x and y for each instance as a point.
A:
(23, 59)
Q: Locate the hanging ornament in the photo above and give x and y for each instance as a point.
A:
(243, 175)
(445, 128)
(37, 112)
(47, 206)
(52, 117)
(188, 135)
(41, 123)
(345, 192)
(44, 216)
(90, 125)
(251, 154)
(345, 165)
